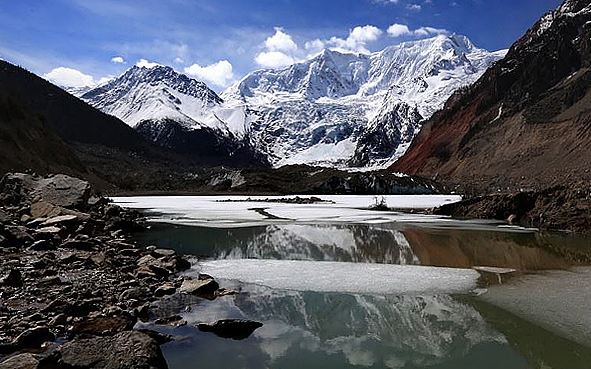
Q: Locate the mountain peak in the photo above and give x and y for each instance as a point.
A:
(154, 93)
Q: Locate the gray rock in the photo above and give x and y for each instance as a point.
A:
(104, 325)
(13, 279)
(19, 234)
(199, 287)
(22, 361)
(59, 190)
(78, 245)
(131, 349)
(63, 190)
(61, 219)
(42, 209)
(50, 231)
(34, 337)
(4, 216)
(60, 319)
(165, 289)
(231, 328)
(163, 252)
(42, 245)
(134, 293)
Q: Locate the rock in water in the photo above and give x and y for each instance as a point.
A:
(231, 328)
(130, 349)
(199, 287)
(34, 337)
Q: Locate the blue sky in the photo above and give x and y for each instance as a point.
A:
(79, 42)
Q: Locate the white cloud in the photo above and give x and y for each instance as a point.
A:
(219, 73)
(103, 80)
(280, 51)
(179, 61)
(365, 34)
(430, 31)
(118, 60)
(274, 59)
(69, 77)
(397, 30)
(415, 7)
(143, 63)
(355, 42)
(280, 41)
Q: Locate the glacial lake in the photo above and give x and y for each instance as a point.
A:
(339, 286)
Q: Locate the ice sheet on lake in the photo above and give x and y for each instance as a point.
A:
(557, 300)
(343, 277)
(208, 211)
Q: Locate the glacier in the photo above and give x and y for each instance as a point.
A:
(336, 109)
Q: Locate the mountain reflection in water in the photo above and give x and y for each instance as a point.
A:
(366, 243)
(343, 329)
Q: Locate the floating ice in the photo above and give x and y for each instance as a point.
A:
(557, 300)
(343, 277)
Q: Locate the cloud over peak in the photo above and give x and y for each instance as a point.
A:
(69, 77)
(399, 30)
(219, 73)
(118, 60)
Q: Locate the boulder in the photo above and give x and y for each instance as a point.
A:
(199, 287)
(34, 337)
(42, 209)
(231, 328)
(130, 349)
(19, 234)
(163, 252)
(165, 289)
(104, 325)
(42, 245)
(60, 220)
(13, 279)
(59, 190)
(63, 190)
(50, 232)
(22, 361)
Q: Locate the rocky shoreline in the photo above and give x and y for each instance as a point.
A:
(558, 208)
(73, 286)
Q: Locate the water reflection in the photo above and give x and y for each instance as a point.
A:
(367, 243)
(342, 330)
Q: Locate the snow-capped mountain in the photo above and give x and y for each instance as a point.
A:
(177, 112)
(354, 109)
(335, 109)
(157, 93)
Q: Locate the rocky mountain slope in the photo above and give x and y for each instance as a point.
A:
(47, 130)
(348, 109)
(175, 112)
(526, 122)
